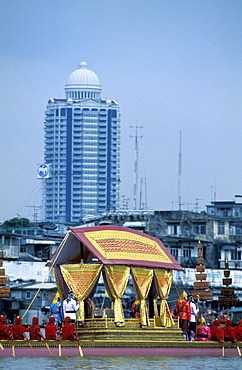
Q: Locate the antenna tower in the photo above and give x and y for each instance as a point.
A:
(145, 204)
(136, 164)
(179, 173)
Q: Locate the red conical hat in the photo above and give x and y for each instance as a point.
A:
(35, 320)
(51, 320)
(18, 320)
(67, 320)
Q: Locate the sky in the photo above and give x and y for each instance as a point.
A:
(174, 66)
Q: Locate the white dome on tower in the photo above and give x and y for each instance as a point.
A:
(81, 82)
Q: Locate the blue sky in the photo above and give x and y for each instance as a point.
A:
(172, 65)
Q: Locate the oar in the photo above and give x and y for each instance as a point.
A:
(1, 346)
(80, 348)
(59, 348)
(78, 342)
(222, 348)
(48, 347)
(13, 349)
(238, 349)
(31, 347)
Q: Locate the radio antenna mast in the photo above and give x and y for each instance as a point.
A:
(179, 173)
(136, 164)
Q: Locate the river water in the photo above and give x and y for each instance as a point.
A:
(122, 363)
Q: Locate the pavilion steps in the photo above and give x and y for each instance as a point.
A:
(131, 332)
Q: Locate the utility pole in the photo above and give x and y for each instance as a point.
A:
(136, 165)
(196, 204)
(35, 212)
(213, 192)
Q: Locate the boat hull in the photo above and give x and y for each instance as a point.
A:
(23, 348)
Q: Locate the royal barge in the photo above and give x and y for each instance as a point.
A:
(116, 253)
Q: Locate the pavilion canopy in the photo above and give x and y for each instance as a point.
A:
(113, 245)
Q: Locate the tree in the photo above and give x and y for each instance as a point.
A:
(16, 222)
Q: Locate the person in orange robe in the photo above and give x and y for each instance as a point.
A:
(217, 331)
(184, 313)
(5, 331)
(34, 330)
(238, 331)
(68, 329)
(50, 329)
(18, 330)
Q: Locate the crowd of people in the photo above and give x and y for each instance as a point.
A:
(61, 323)
(194, 327)
(18, 331)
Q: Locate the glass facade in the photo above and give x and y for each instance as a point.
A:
(82, 147)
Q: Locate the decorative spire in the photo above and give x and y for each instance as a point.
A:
(228, 299)
(4, 291)
(201, 293)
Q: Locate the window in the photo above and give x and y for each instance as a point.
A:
(174, 252)
(16, 294)
(28, 295)
(199, 228)
(238, 230)
(224, 211)
(235, 229)
(63, 112)
(174, 229)
(7, 241)
(186, 252)
(236, 255)
(221, 228)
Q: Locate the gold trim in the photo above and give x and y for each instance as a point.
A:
(154, 251)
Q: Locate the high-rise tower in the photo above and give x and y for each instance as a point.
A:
(82, 147)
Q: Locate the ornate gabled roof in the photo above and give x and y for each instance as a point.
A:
(114, 245)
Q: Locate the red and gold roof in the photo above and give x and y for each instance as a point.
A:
(115, 245)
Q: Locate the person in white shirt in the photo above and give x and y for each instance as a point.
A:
(70, 306)
(193, 321)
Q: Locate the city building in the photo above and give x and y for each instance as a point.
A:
(22, 294)
(227, 216)
(219, 229)
(82, 151)
(28, 243)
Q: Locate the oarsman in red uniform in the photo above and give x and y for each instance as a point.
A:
(68, 329)
(34, 330)
(238, 331)
(50, 329)
(229, 333)
(223, 322)
(217, 331)
(5, 331)
(184, 313)
(18, 330)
